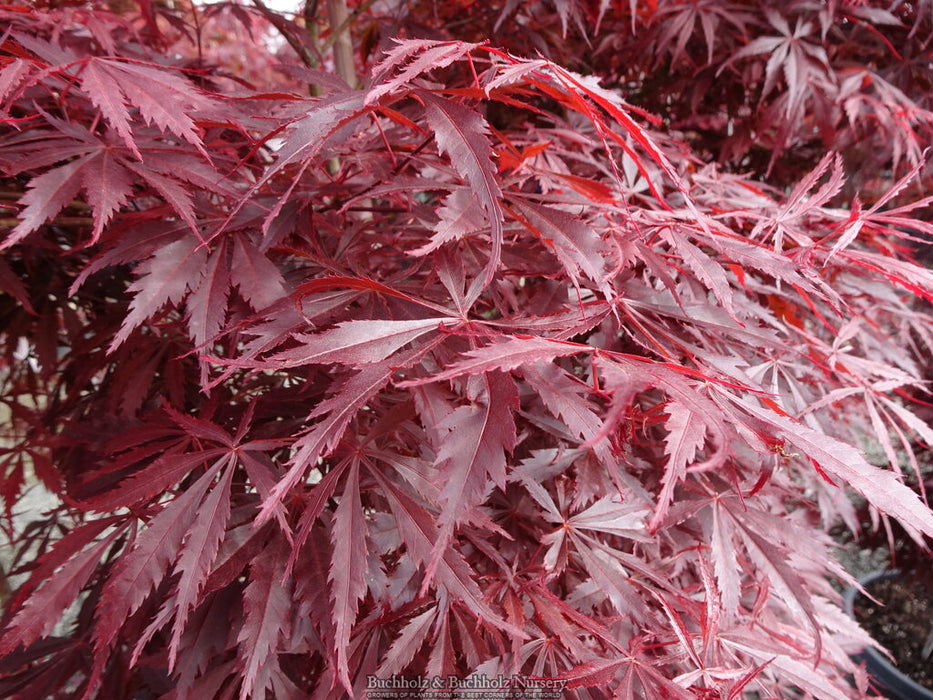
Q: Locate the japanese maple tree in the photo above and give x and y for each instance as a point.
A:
(451, 339)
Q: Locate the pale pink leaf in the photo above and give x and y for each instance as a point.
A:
(460, 215)
(880, 487)
(431, 55)
(309, 135)
(705, 268)
(138, 571)
(505, 355)
(409, 641)
(419, 532)
(910, 419)
(686, 433)
(472, 455)
(338, 411)
(612, 516)
(44, 608)
(108, 186)
(104, 91)
(207, 305)
(725, 564)
(609, 576)
(162, 98)
(564, 395)
(773, 561)
(162, 473)
(48, 194)
(473, 450)
(12, 74)
(162, 279)
(357, 342)
(267, 604)
(259, 280)
(462, 134)
(578, 247)
(173, 192)
(348, 569)
(202, 542)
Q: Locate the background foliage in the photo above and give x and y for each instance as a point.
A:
(509, 338)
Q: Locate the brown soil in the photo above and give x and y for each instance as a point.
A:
(901, 625)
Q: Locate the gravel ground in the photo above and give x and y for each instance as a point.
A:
(34, 502)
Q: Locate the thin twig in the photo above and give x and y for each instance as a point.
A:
(5, 589)
(64, 221)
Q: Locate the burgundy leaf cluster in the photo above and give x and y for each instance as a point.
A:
(484, 367)
(765, 87)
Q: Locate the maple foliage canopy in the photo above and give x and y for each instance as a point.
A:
(555, 354)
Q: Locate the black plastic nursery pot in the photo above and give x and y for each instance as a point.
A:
(888, 679)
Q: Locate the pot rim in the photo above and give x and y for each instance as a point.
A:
(874, 659)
